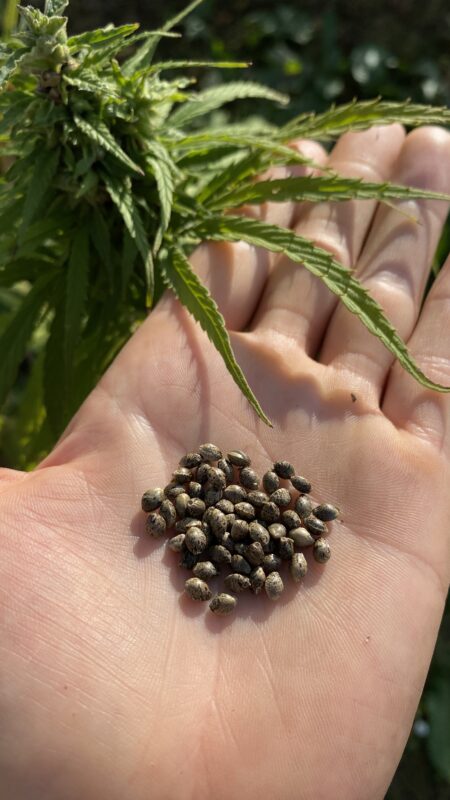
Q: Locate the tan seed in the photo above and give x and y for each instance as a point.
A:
(277, 530)
(197, 589)
(182, 475)
(290, 519)
(286, 548)
(325, 512)
(301, 484)
(196, 540)
(239, 530)
(284, 469)
(271, 481)
(235, 493)
(205, 570)
(298, 567)
(155, 525)
(315, 526)
(220, 554)
(168, 513)
(209, 452)
(223, 604)
(237, 582)
(180, 503)
(245, 511)
(240, 564)
(191, 460)
(321, 551)
(281, 497)
(226, 468)
(303, 507)
(257, 579)
(176, 543)
(254, 553)
(273, 585)
(271, 563)
(301, 537)
(270, 512)
(249, 478)
(195, 507)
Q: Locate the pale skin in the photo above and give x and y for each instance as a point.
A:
(115, 685)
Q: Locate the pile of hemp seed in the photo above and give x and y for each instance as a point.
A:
(223, 518)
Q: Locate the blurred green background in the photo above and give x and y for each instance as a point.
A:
(318, 54)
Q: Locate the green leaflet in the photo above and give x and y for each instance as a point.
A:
(357, 116)
(320, 263)
(44, 170)
(100, 36)
(316, 189)
(162, 167)
(54, 8)
(99, 133)
(17, 333)
(101, 239)
(210, 99)
(76, 291)
(179, 276)
(161, 66)
(121, 195)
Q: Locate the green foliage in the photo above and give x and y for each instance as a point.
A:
(116, 173)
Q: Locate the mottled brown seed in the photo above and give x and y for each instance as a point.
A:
(155, 525)
(196, 540)
(212, 496)
(286, 548)
(301, 484)
(182, 525)
(168, 513)
(301, 537)
(182, 475)
(209, 452)
(225, 506)
(273, 585)
(277, 530)
(298, 567)
(239, 548)
(180, 503)
(249, 478)
(238, 458)
(257, 579)
(152, 499)
(226, 468)
(235, 582)
(197, 589)
(290, 519)
(271, 563)
(172, 490)
(259, 533)
(270, 512)
(205, 570)
(190, 460)
(240, 564)
(216, 478)
(245, 511)
(217, 521)
(271, 481)
(303, 507)
(203, 473)
(194, 489)
(223, 604)
(227, 541)
(257, 499)
(325, 512)
(239, 530)
(284, 469)
(315, 526)
(281, 497)
(176, 543)
(195, 507)
(321, 551)
(188, 560)
(230, 519)
(254, 554)
(235, 493)
(220, 554)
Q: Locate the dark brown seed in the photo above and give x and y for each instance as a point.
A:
(273, 585)
(209, 452)
(217, 521)
(284, 469)
(259, 533)
(238, 458)
(222, 604)
(182, 475)
(203, 473)
(155, 525)
(286, 548)
(188, 560)
(303, 507)
(194, 489)
(257, 579)
(239, 548)
(240, 564)
(257, 499)
(271, 563)
(212, 496)
(239, 530)
(235, 582)
(167, 511)
(205, 570)
(176, 543)
(290, 519)
(270, 512)
(196, 540)
(197, 589)
(315, 526)
(190, 460)
(220, 554)
(195, 507)
(277, 530)
(180, 504)
(249, 478)
(172, 490)
(226, 468)
(301, 484)
(182, 525)
(216, 478)
(230, 518)
(271, 481)
(235, 493)
(227, 541)
(225, 506)
(152, 499)
(326, 512)
(301, 537)
(245, 511)
(254, 554)
(298, 567)
(321, 551)
(281, 497)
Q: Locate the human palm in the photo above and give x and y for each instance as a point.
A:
(112, 683)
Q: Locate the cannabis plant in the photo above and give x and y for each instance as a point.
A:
(111, 177)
